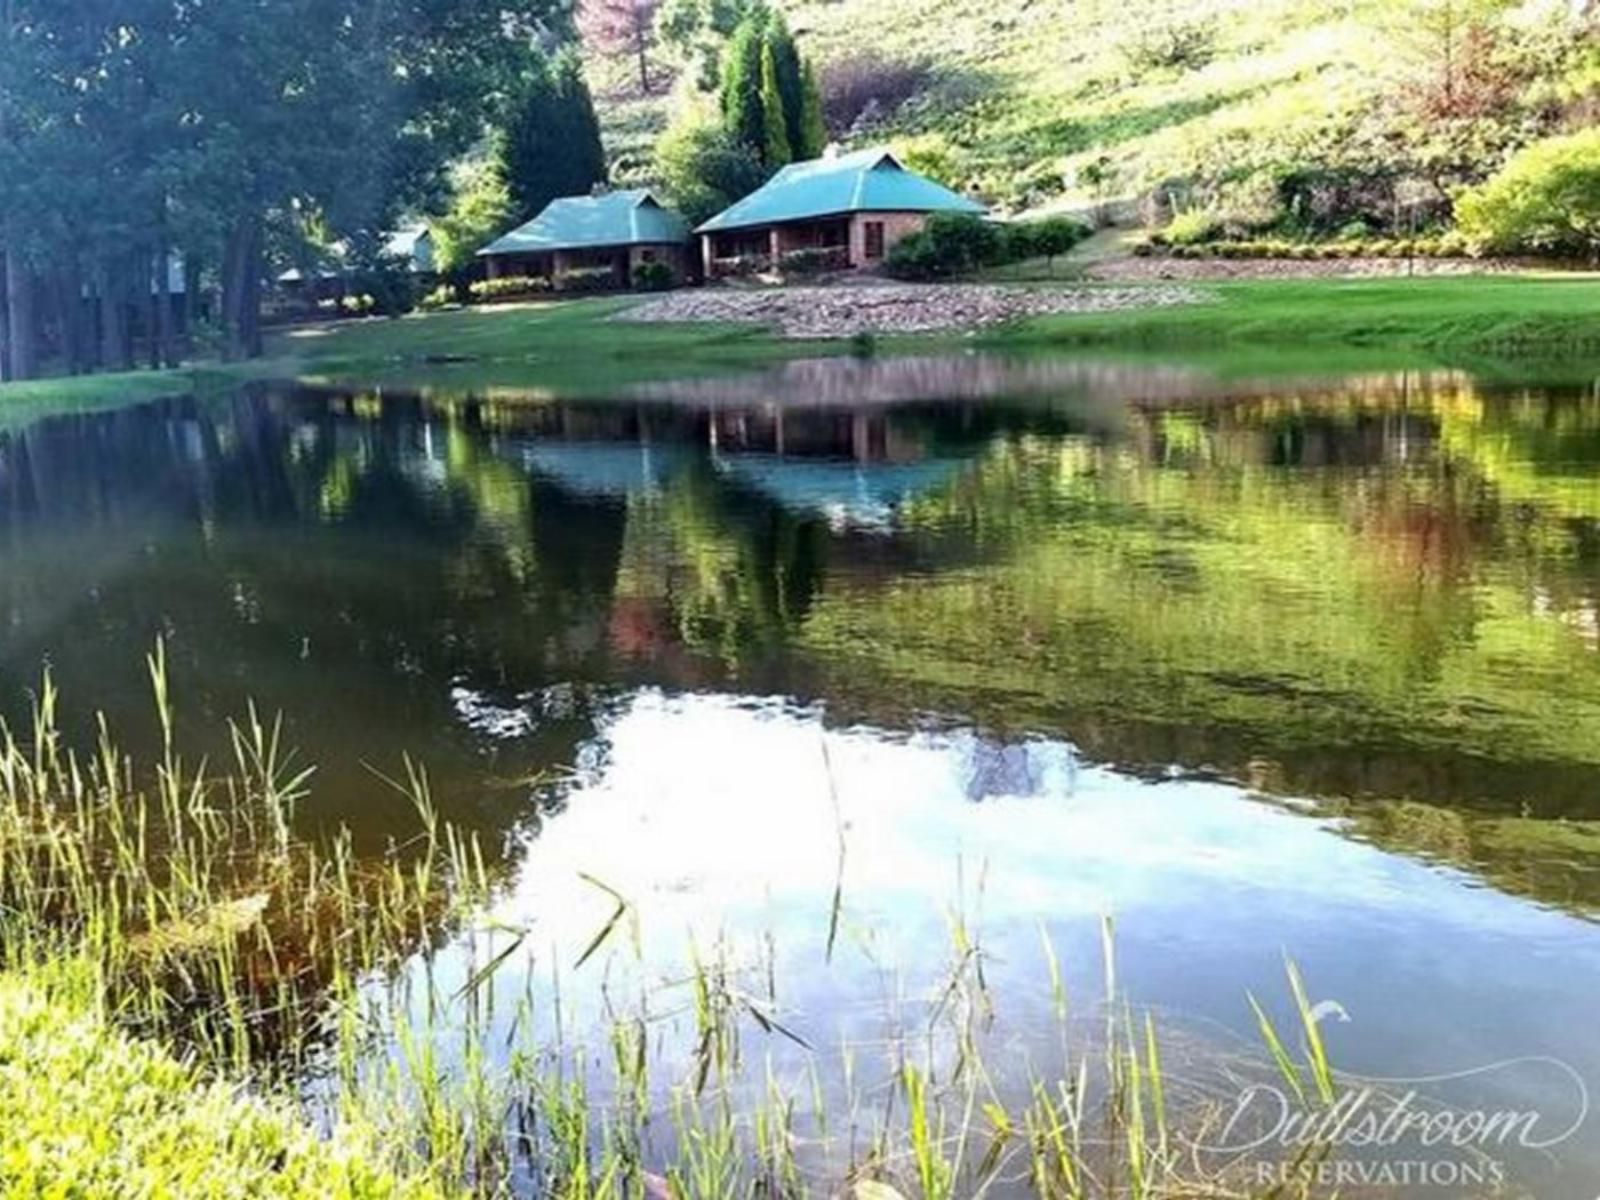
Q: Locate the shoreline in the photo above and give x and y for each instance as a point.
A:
(596, 344)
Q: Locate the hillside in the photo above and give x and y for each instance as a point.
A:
(1071, 103)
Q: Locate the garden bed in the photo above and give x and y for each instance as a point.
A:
(1164, 268)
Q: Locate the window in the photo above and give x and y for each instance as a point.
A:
(648, 256)
(874, 237)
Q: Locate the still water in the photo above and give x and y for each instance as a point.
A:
(1257, 669)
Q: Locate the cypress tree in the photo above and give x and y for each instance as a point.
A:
(813, 129)
(552, 144)
(741, 82)
(791, 85)
(775, 148)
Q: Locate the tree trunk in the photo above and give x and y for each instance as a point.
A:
(19, 318)
(161, 317)
(241, 290)
(70, 306)
(5, 323)
(116, 342)
(190, 308)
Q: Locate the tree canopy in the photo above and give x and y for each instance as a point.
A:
(137, 132)
(551, 144)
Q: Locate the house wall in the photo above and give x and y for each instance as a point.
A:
(674, 255)
(777, 240)
(559, 262)
(896, 225)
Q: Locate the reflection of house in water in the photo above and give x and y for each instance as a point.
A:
(848, 467)
(604, 469)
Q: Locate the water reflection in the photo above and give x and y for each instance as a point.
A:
(1258, 667)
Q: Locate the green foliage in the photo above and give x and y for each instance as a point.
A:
(742, 113)
(93, 1112)
(813, 139)
(654, 277)
(803, 263)
(1448, 245)
(1045, 238)
(440, 297)
(1192, 227)
(551, 143)
(789, 76)
(957, 244)
(480, 209)
(134, 130)
(949, 244)
(586, 279)
(774, 126)
(1547, 198)
(694, 33)
(763, 92)
(704, 168)
(508, 287)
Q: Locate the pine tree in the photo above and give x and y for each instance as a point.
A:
(813, 129)
(775, 149)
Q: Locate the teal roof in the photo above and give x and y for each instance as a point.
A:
(632, 218)
(865, 181)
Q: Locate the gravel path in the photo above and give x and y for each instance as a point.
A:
(828, 312)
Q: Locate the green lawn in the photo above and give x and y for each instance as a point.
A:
(1453, 318)
(90, 1111)
(570, 346)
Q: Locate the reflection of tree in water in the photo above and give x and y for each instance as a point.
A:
(1328, 595)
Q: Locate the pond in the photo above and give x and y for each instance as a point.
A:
(843, 669)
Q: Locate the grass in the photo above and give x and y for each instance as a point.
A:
(91, 1111)
(1452, 318)
(565, 347)
(148, 911)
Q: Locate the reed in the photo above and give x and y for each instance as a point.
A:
(203, 921)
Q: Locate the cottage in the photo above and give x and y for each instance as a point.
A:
(850, 207)
(412, 248)
(615, 231)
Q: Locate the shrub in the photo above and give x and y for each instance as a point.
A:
(704, 168)
(1547, 198)
(1044, 238)
(1191, 228)
(813, 261)
(654, 276)
(949, 244)
(586, 279)
(440, 297)
(507, 287)
(742, 265)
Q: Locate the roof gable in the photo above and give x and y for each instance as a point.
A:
(863, 181)
(625, 218)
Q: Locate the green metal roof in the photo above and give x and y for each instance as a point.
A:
(865, 181)
(632, 218)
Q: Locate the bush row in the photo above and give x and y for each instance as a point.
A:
(506, 287)
(1448, 245)
(954, 244)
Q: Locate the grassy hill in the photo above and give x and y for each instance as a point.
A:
(1072, 103)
